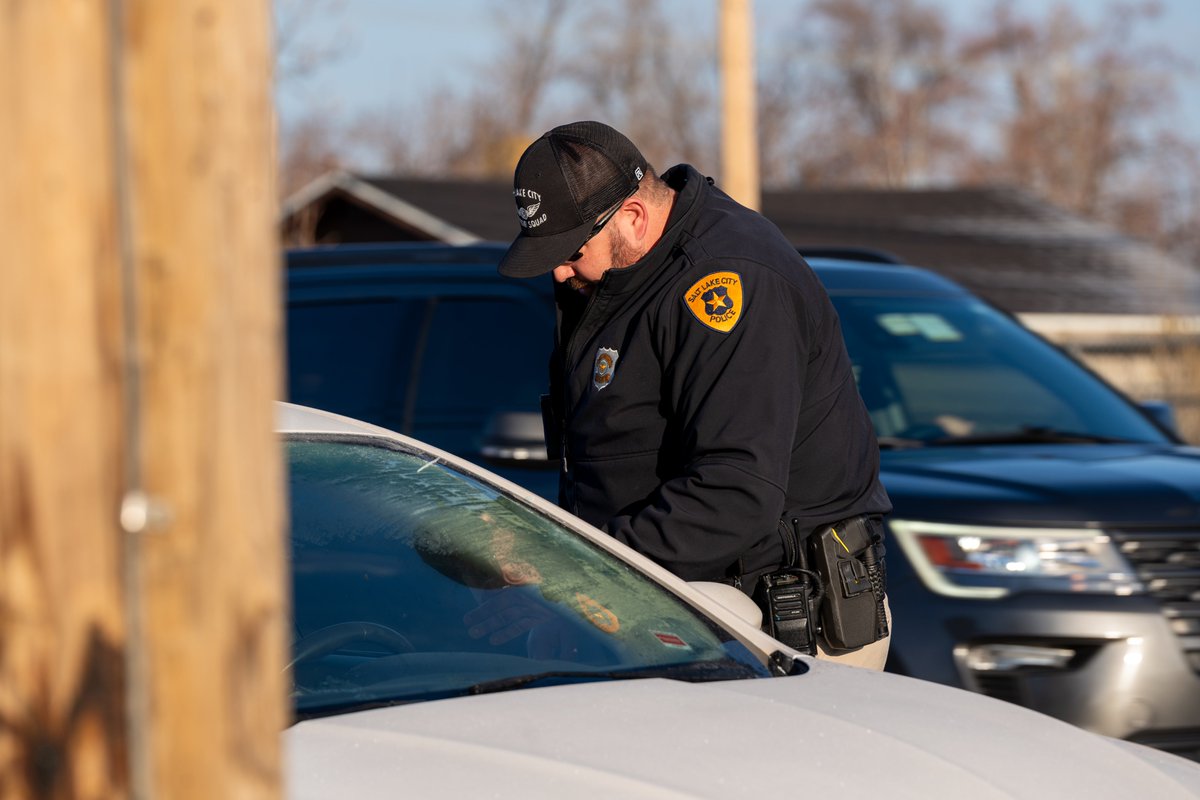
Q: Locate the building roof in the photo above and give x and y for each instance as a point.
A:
(1002, 243)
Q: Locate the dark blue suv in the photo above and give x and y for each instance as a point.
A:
(1045, 542)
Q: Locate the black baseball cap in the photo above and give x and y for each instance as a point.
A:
(564, 181)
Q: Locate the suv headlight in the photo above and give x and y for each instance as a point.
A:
(986, 562)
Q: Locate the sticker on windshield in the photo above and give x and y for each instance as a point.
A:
(671, 640)
(597, 614)
(933, 327)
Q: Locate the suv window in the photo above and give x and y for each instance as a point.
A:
(937, 368)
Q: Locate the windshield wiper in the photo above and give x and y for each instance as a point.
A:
(1028, 434)
(693, 672)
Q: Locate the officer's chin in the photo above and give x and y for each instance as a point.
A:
(580, 285)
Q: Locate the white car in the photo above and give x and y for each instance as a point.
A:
(457, 636)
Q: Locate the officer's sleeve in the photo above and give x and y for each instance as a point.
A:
(736, 346)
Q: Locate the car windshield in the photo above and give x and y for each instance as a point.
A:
(413, 581)
(946, 371)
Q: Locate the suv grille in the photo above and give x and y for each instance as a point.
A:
(1168, 563)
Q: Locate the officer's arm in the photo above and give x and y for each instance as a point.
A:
(734, 390)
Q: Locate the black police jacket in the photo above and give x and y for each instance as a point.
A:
(704, 393)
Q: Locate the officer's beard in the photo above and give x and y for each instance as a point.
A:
(621, 254)
(579, 284)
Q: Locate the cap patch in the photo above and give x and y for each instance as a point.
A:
(605, 367)
(564, 181)
(529, 203)
(716, 300)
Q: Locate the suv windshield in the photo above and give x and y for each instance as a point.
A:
(412, 581)
(956, 371)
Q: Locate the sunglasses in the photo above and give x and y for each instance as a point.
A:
(600, 223)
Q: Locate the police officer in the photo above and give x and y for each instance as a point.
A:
(701, 400)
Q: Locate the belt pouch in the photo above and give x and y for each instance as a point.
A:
(849, 558)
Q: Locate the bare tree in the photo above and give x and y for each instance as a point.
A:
(1162, 201)
(309, 148)
(299, 52)
(405, 140)
(483, 133)
(638, 75)
(624, 68)
(877, 88)
(864, 93)
(781, 138)
(479, 132)
(307, 38)
(1078, 105)
(886, 94)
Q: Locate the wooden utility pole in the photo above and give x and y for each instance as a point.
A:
(141, 525)
(739, 124)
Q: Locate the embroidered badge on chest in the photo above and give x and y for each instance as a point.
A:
(605, 366)
(716, 300)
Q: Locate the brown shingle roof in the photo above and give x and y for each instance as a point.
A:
(1003, 243)
(485, 208)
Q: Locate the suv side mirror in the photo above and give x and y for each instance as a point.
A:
(1161, 412)
(515, 437)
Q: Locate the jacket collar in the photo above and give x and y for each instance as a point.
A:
(692, 188)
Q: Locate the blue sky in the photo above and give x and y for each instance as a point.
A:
(391, 53)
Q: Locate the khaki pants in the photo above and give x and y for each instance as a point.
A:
(871, 656)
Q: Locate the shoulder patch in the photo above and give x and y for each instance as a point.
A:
(716, 300)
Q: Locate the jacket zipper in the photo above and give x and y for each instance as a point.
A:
(568, 368)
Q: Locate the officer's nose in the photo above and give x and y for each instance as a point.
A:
(563, 273)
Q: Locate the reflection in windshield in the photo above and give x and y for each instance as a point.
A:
(411, 581)
(936, 370)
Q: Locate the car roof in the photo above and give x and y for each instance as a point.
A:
(845, 276)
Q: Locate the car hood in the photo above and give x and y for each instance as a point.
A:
(835, 729)
(1152, 484)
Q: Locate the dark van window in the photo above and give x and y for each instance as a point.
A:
(482, 355)
(353, 358)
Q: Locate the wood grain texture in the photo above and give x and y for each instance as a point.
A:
(195, 117)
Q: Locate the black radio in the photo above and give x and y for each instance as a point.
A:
(834, 587)
(790, 599)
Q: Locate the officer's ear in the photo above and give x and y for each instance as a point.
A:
(634, 216)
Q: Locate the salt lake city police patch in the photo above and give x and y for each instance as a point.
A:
(604, 367)
(716, 300)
